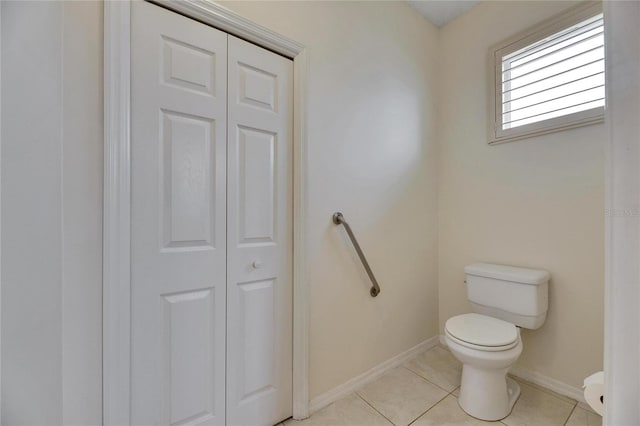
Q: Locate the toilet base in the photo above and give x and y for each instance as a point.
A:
(513, 388)
(487, 395)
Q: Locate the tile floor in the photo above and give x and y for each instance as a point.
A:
(423, 392)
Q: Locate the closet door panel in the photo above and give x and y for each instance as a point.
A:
(259, 236)
(178, 229)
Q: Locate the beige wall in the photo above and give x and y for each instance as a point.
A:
(51, 213)
(82, 159)
(622, 343)
(371, 155)
(538, 202)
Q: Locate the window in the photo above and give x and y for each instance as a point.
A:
(549, 78)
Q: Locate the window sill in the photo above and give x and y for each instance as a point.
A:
(546, 127)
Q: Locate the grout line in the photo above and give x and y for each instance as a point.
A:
(543, 389)
(560, 398)
(429, 409)
(427, 380)
(534, 387)
(570, 414)
(424, 379)
(374, 408)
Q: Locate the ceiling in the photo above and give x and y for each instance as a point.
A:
(440, 12)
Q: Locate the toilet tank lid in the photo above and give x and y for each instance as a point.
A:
(508, 273)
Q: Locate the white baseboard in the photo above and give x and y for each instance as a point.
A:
(549, 383)
(544, 381)
(443, 341)
(379, 370)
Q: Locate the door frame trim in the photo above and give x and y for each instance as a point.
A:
(116, 363)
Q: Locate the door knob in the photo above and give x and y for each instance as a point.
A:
(256, 264)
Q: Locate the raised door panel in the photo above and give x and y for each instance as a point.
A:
(189, 356)
(178, 229)
(259, 236)
(188, 179)
(256, 333)
(257, 87)
(188, 66)
(256, 156)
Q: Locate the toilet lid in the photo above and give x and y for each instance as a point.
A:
(482, 330)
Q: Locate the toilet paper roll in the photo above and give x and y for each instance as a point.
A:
(594, 391)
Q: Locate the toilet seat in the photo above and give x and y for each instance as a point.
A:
(482, 332)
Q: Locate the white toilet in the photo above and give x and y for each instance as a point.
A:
(487, 342)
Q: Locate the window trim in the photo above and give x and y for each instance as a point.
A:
(536, 33)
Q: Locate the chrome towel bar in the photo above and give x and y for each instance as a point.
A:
(338, 219)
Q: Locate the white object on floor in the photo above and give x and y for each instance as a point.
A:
(594, 391)
(487, 342)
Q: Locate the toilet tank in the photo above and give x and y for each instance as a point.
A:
(517, 295)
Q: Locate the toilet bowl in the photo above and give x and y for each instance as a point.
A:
(487, 348)
(487, 342)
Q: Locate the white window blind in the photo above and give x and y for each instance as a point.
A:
(550, 75)
(560, 75)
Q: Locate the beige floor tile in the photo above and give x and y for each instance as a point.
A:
(582, 417)
(401, 396)
(438, 366)
(456, 392)
(448, 412)
(538, 408)
(543, 389)
(585, 406)
(350, 411)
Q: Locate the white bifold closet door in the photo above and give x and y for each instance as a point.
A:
(211, 231)
(259, 235)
